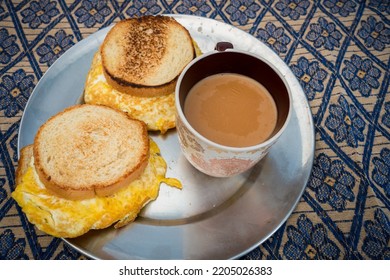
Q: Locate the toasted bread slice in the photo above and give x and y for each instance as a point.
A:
(139, 90)
(90, 150)
(24, 161)
(144, 56)
(158, 113)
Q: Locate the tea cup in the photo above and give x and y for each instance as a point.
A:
(216, 159)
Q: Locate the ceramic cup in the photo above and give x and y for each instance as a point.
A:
(212, 158)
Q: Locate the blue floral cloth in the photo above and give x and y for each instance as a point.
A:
(339, 50)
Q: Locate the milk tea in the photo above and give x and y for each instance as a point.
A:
(231, 109)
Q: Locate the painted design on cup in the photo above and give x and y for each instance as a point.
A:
(222, 167)
(187, 138)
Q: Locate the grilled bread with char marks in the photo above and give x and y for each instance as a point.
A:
(144, 56)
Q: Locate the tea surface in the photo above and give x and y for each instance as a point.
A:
(231, 110)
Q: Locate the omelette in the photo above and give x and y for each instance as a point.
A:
(158, 113)
(71, 218)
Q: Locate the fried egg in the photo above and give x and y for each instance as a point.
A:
(71, 218)
(157, 112)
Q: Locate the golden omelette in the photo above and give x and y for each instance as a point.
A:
(71, 218)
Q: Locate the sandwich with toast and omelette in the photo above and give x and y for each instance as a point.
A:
(137, 66)
(94, 165)
(90, 167)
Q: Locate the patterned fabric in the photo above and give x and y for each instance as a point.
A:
(338, 49)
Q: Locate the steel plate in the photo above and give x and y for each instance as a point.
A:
(210, 218)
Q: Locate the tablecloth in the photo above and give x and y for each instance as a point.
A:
(339, 51)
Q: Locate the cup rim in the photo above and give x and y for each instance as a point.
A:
(180, 112)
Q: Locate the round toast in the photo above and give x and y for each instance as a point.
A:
(158, 113)
(144, 56)
(90, 150)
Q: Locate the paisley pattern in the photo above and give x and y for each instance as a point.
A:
(339, 51)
